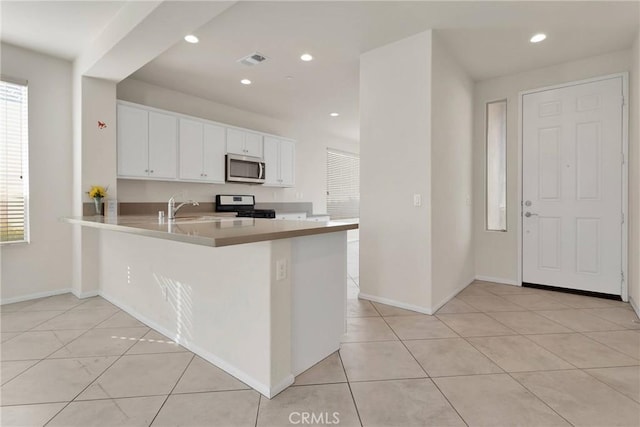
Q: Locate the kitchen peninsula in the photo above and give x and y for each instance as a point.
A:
(262, 299)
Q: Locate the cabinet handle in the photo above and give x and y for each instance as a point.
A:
(146, 170)
(151, 171)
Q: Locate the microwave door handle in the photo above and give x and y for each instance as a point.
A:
(261, 170)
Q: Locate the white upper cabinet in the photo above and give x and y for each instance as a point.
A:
(133, 141)
(287, 163)
(244, 143)
(201, 151)
(213, 153)
(147, 143)
(190, 141)
(163, 145)
(157, 144)
(279, 159)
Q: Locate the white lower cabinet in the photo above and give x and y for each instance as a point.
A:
(279, 158)
(202, 148)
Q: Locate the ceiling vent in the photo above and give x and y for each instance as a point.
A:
(253, 59)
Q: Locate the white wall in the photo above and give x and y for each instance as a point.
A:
(44, 265)
(451, 176)
(634, 177)
(395, 154)
(496, 252)
(311, 149)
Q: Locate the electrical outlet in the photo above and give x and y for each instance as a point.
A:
(417, 200)
(281, 269)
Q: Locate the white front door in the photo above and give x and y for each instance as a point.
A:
(572, 187)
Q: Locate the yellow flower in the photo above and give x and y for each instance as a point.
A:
(97, 191)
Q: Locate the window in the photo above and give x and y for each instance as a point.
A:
(343, 185)
(496, 184)
(14, 178)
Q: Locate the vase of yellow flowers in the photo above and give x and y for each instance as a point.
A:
(97, 193)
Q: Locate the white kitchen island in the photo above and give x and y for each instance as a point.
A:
(263, 300)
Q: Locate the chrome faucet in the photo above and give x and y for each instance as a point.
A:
(172, 209)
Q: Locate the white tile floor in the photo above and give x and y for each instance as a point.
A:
(495, 355)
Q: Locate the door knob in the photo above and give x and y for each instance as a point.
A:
(529, 214)
(527, 203)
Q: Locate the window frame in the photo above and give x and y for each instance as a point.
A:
(24, 136)
(486, 165)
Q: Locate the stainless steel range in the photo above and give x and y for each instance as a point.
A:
(245, 206)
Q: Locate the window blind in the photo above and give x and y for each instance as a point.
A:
(343, 185)
(14, 180)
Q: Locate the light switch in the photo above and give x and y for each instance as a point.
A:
(417, 200)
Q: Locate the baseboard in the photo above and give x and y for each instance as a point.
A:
(262, 388)
(35, 296)
(83, 295)
(635, 306)
(394, 303)
(498, 280)
(451, 296)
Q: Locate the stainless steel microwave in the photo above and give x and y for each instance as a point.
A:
(245, 169)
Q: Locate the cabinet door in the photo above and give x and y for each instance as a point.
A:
(253, 144)
(272, 161)
(235, 141)
(191, 137)
(287, 163)
(163, 144)
(133, 137)
(213, 149)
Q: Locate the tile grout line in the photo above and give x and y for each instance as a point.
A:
(353, 399)
(425, 371)
(193, 356)
(584, 334)
(258, 409)
(539, 398)
(82, 391)
(55, 351)
(586, 371)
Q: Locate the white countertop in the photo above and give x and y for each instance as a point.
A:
(210, 230)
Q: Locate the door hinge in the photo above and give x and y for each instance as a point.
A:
(622, 276)
(622, 100)
(622, 155)
(622, 218)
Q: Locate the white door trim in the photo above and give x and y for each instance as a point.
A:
(625, 169)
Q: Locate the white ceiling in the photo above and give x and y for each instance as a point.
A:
(58, 28)
(488, 38)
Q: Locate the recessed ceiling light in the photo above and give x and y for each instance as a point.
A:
(306, 57)
(334, 114)
(245, 81)
(538, 38)
(191, 38)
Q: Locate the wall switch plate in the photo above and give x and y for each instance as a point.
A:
(417, 200)
(281, 269)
